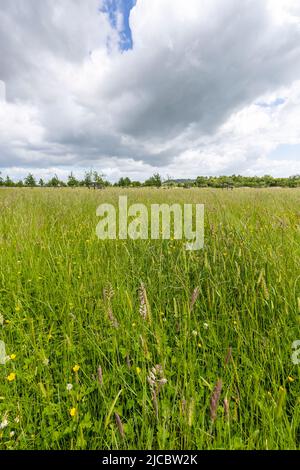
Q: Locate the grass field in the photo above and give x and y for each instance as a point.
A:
(80, 352)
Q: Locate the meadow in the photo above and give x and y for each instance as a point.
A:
(142, 344)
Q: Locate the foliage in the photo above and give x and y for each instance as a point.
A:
(141, 344)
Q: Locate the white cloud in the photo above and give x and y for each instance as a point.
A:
(2, 91)
(184, 101)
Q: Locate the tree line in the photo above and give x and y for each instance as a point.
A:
(92, 179)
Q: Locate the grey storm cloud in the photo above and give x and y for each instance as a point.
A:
(71, 101)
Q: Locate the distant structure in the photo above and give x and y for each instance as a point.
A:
(2, 92)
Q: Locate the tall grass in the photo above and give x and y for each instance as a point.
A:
(86, 321)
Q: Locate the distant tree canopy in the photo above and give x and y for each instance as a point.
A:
(30, 181)
(96, 180)
(124, 182)
(155, 180)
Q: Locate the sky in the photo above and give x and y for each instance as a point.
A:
(125, 87)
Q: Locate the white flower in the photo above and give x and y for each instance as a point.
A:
(46, 362)
(195, 333)
(69, 387)
(12, 433)
(4, 424)
(205, 326)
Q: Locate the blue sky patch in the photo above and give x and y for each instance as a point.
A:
(286, 152)
(112, 8)
(272, 104)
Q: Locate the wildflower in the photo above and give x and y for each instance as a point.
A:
(73, 412)
(1, 319)
(156, 378)
(112, 319)
(69, 387)
(205, 326)
(138, 370)
(11, 377)
(13, 357)
(291, 379)
(46, 362)
(11, 434)
(18, 308)
(4, 424)
(76, 368)
(195, 333)
(156, 381)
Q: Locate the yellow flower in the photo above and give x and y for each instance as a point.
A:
(291, 379)
(18, 308)
(73, 412)
(11, 377)
(13, 357)
(138, 370)
(76, 368)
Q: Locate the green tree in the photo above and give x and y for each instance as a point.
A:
(8, 182)
(201, 182)
(124, 182)
(54, 182)
(155, 180)
(30, 181)
(72, 181)
(88, 179)
(136, 184)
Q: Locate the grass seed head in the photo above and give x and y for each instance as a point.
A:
(120, 425)
(143, 302)
(100, 375)
(194, 298)
(214, 401)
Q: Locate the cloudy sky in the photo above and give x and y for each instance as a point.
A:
(182, 87)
